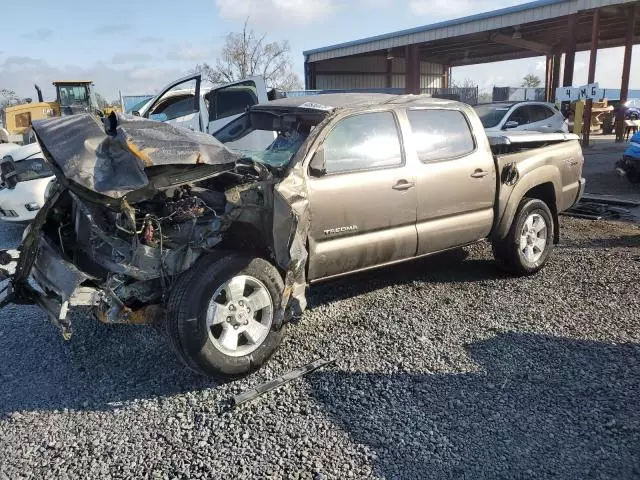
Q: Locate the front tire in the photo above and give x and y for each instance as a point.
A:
(222, 315)
(527, 246)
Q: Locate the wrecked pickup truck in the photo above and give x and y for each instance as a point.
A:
(153, 224)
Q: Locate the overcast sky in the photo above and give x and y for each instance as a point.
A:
(137, 46)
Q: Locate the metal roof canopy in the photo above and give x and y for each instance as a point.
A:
(528, 30)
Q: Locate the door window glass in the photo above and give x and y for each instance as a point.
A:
(232, 100)
(521, 115)
(176, 102)
(440, 134)
(541, 113)
(175, 106)
(365, 141)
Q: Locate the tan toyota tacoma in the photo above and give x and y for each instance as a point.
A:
(215, 239)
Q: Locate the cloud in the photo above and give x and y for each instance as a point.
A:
(20, 73)
(39, 35)
(188, 53)
(120, 58)
(455, 8)
(270, 13)
(112, 29)
(150, 39)
(12, 63)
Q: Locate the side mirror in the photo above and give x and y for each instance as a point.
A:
(316, 166)
(136, 113)
(511, 124)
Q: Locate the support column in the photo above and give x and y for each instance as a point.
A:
(312, 77)
(595, 36)
(412, 69)
(389, 77)
(570, 51)
(548, 79)
(445, 76)
(557, 58)
(626, 70)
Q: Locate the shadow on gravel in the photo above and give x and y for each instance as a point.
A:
(538, 407)
(98, 369)
(611, 242)
(447, 267)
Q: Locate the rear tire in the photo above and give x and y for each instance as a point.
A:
(222, 315)
(526, 248)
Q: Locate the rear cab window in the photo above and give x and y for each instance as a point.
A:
(440, 134)
(365, 141)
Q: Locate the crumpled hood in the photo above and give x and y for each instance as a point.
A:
(114, 165)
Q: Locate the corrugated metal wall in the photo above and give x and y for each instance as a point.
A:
(371, 72)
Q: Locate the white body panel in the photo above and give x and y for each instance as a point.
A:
(15, 200)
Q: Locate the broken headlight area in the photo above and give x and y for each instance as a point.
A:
(122, 258)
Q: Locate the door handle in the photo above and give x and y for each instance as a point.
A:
(479, 173)
(403, 185)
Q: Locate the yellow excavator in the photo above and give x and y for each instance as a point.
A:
(72, 96)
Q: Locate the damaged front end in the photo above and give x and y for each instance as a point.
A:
(136, 205)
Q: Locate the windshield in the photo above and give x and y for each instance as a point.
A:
(491, 113)
(267, 137)
(70, 95)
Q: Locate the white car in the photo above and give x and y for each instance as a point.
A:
(533, 116)
(25, 174)
(6, 148)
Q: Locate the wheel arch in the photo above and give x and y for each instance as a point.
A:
(545, 191)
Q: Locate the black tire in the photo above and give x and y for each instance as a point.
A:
(186, 323)
(633, 176)
(507, 251)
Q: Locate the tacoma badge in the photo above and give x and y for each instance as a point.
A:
(350, 228)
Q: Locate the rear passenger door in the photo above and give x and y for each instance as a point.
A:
(363, 208)
(456, 180)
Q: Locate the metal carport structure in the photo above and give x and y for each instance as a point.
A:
(421, 57)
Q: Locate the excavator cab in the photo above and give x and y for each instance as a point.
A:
(76, 97)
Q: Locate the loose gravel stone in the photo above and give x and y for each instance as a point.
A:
(446, 369)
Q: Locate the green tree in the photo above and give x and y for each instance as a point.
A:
(531, 81)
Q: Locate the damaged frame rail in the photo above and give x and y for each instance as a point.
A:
(27, 276)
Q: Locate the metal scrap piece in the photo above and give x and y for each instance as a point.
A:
(277, 382)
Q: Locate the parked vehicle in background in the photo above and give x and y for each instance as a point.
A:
(160, 225)
(632, 109)
(526, 115)
(187, 103)
(25, 175)
(629, 165)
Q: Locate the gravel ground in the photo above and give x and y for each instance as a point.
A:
(446, 369)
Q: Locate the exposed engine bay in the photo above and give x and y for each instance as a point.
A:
(139, 205)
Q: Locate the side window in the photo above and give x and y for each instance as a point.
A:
(174, 107)
(232, 100)
(520, 115)
(440, 134)
(364, 141)
(542, 113)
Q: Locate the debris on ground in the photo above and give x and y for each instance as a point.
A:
(277, 382)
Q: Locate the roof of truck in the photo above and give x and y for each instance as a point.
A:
(331, 101)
